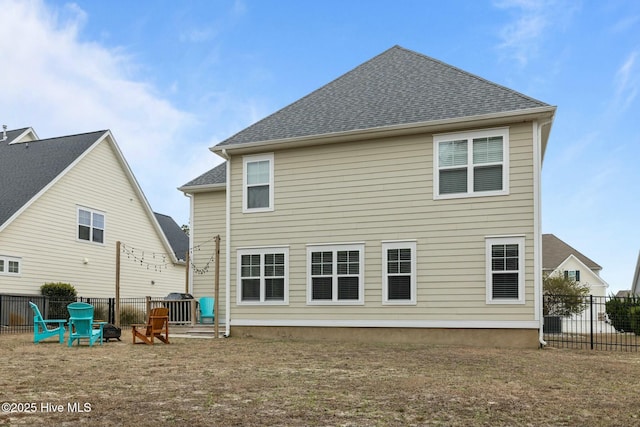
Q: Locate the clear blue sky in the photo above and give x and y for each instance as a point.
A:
(172, 78)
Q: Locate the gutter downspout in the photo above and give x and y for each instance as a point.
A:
(537, 241)
(227, 249)
(191, 232)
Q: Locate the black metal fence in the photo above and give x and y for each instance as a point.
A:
(16, 316)
(594, 322)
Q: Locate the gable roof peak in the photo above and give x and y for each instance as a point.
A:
(396, 87)
(556, 251)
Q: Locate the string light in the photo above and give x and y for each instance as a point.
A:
(205, 268)
(138, 256)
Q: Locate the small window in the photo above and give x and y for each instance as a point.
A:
(10, 265)
(399, 272)
(262, 275)
(335, 274)
(505, 270)
(258, 183)
(573, 275)
(471, 164)
(90, 225)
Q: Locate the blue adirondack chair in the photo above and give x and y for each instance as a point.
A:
(81, 324)
(206, 309)
(41, 329)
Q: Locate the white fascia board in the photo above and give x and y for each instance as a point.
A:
(51, 183)
(191, 189)
(433, 126)
(138, 190)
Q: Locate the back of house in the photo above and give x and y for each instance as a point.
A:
(399, 202)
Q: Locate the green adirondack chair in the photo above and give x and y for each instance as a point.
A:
(41, 329)
(206, 309)
(81, 324)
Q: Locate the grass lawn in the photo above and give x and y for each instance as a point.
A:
(244, 381)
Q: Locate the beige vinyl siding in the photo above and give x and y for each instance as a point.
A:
(381, 190)
(45, 236)
(209, 220)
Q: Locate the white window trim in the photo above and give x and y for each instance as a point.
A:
(262, 251)
(245, 199)
(469, 136)
(335, 248)
(489, 241)
(5, 271)
(385, 282)
(104, 229)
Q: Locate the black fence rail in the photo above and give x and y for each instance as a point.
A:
(592, 322)
(16, 316)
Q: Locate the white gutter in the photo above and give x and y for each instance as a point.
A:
(432, 126)
(227, 271)
(537, 225)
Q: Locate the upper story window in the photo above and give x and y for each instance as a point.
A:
(505, 270)
(9, 265)
(90, 225)
(335, 274)
(471, 164)
(257, 177)
(399, 272)
(263, 276)
(573, 275)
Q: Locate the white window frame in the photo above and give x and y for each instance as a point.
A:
(92, 212)
(5, 261)
(335, 248)
(245, 186)
(469, 137)
(386, 246)
(505, 240)
(262, 251)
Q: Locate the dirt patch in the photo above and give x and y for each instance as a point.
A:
(233, 381)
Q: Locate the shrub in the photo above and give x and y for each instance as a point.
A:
(634, 318)
(60, 295)
(100, 312)
(130, 315)
(624, 314)
(563, 296)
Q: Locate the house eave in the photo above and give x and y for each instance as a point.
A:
(192, 189)
(541, 113)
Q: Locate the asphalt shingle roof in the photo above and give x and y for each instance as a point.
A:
(555, 251)
(399, 86)
(26, 168)
(217, 175)
(177, 238)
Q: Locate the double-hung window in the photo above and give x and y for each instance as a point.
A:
(90, 225)
(335, 274)
(9, 265)
(399, 272)
(505, 270)
(471, 164)
(257, 183)
(263, 276)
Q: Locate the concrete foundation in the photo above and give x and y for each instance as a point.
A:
(501, 338)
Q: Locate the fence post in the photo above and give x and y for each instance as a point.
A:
(591, 319)
(111, 311)
(148, 307)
